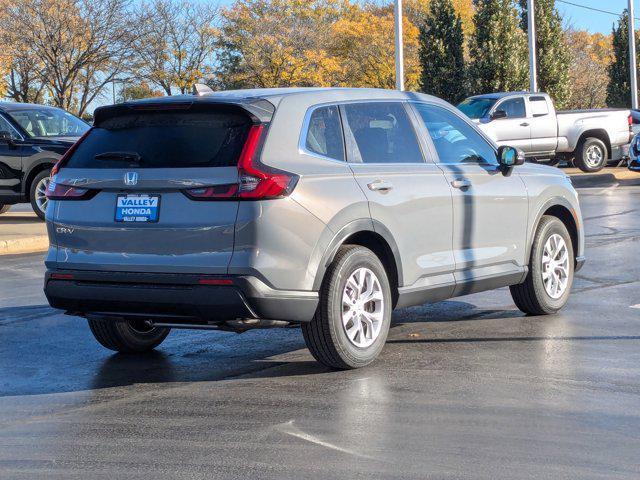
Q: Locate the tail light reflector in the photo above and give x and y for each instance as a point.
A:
(61, 276)
(215, 281)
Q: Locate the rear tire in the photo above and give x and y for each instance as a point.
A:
(348, 331)
(125, 336)
(533, 296)
(36, 192)
(4, 208)
(591, 155)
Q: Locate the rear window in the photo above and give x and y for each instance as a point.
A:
(164, 140)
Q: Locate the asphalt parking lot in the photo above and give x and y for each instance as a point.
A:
(467, 388)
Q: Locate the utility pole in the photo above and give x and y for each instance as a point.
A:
(533, 69)
(632, 58)
(399, 47)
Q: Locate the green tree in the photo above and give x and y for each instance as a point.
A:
(498, 49)
(553, 55)
(442, 52)
(619, 90)
(137, 91)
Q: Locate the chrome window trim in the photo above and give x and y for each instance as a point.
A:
(15, 130)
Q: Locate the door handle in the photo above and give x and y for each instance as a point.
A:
(461, 183)
(380, 186)
(524, 124)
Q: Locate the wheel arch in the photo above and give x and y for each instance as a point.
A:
(372, 235)
(35, 169)
(563, 211)
(599, 133)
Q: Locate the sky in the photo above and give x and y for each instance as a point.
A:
(579, 18)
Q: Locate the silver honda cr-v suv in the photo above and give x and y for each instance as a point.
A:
(323, 207)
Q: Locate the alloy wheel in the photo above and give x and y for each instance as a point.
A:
(41, 194)
(555, 266)
(362, 308)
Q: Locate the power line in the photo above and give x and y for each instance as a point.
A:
(593, 9)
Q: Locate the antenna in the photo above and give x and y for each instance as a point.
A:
(200, 89)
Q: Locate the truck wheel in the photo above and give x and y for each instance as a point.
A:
(352, 322)
(548, 284)
(127, 337)
(4, 208)
(37, 193)
(591, 155)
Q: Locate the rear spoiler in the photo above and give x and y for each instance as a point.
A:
(260, 110)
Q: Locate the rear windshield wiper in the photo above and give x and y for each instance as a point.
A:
(120, 156)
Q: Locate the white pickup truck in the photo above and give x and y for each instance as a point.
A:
(529, 121)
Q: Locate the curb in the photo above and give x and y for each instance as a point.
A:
(34, 244)
(590, 180)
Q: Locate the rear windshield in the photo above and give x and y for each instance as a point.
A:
(164, 140)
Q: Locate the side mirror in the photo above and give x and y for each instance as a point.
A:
(498, 114)
(510, 157)
(5, 137)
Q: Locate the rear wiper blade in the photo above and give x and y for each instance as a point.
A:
(123, 156)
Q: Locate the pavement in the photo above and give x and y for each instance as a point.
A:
(467, 388)
(21, 231)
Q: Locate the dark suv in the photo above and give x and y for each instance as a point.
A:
(32, 140)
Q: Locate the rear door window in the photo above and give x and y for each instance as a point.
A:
(324, 134)
(164, 140)
(381, 133)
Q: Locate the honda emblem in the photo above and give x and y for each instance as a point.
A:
(131, 178)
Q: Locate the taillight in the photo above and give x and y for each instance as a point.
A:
(65, 158)
(630, 120)
(255, 180)
(57, 191)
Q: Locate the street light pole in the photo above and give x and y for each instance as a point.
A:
(399, 47)
(632, 59)
(533, 73)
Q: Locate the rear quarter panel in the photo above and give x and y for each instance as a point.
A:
(284, 241)
(571, 126)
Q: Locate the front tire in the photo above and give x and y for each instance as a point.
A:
(352, 321)
(591, 155)
(551, 268)
(127, 336)
(37, 192)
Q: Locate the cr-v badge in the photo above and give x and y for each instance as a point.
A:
(131, 178)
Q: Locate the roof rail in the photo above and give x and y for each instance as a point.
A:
(200, 89)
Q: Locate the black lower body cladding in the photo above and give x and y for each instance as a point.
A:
(186, 297)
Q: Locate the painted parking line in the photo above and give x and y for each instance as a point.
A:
(636, 306)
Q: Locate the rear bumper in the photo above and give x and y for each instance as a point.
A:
(174, 296)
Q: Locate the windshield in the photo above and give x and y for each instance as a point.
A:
(49, 122)
(477, 107)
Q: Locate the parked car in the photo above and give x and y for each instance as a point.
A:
(326, 208)
(634, 154)
(32, 139)
(529, 121)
